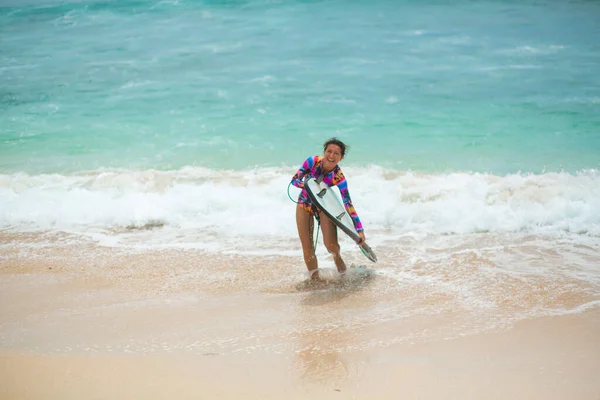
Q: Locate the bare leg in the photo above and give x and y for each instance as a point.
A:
(306, 223)
(330, 239)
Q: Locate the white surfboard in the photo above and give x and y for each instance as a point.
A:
(328, 200)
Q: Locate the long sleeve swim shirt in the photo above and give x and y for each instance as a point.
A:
(312, 167)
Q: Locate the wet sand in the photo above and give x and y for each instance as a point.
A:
(79, 321)
(549, 358)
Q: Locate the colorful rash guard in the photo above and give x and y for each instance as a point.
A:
(312, 167)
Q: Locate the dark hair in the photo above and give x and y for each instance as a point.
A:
(337, 142)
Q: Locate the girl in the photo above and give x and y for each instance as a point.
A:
(327, 167)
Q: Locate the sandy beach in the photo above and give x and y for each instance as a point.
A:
(82, 321)
(551, 358)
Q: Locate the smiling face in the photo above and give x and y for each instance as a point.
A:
(331, 157)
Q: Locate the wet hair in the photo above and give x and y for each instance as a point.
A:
(337, 142)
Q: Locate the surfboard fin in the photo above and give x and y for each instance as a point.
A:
(322, 192)
(339, 217)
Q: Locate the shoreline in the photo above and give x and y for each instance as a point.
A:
(78, 320)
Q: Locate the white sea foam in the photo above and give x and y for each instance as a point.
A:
(133, 84)
(539, 50)
(512, 66)
(255, 203)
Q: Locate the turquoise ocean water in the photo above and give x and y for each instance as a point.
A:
(491, 86)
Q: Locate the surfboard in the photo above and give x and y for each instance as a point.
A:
(330, 203)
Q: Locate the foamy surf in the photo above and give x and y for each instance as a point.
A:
(252, 204)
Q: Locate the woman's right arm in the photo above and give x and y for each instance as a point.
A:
(298, 178)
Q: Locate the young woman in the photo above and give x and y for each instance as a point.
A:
(326, 166)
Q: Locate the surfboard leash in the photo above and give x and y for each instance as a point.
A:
(316, 216)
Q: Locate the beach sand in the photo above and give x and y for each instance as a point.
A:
(82, 322)
(549, 358)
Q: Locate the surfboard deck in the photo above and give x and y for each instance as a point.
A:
(330, 203)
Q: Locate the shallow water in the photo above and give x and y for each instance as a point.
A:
(189, 301)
